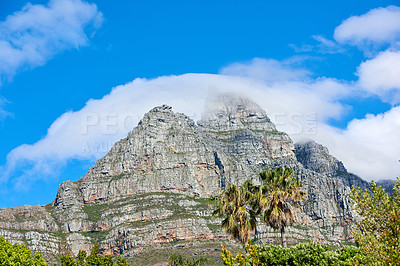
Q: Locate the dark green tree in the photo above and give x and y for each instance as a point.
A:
(94, 259)
(81, 259)
(378, 233)
(67, 260)
(121, 262)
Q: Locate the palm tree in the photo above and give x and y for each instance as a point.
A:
(278, 198)
(235, 205)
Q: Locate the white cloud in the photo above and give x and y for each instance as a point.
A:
(370, 32)
(301, 108)
(3, 113)
(321, 45)
(368, 147)
(304, 48)
(297, 103)
(31, 36)
(381, 76)
(326, 46)
(269, 70)
(89, 133)
(376, 27)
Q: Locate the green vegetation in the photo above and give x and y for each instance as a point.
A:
(94, 211)
(378, 233)
(276, 199)
(235, 205)
(377, 238)
(94, 259)
(117, 177)
(188, 249)
(96, 236)
(18, 255)
(227, 132)
(267, 132)
(236, 131)
(49, 207)
(302, 254)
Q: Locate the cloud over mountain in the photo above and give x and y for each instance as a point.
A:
(297, 102)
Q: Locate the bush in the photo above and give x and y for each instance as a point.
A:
(378, 232)
(301, 254)
(94, 259)
(18, 255)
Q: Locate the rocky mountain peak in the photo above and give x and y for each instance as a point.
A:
(158, 121)
(316, 157)
(232, 112)
(157, 114)
(149, 188)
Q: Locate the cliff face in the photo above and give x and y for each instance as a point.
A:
(163, 153)
(316, 157)
(151, 187)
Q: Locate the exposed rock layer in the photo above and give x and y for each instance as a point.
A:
(315, 157)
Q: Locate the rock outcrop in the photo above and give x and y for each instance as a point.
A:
(316, 157)
(152, 186)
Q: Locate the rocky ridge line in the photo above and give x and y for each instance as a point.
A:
(151, 186)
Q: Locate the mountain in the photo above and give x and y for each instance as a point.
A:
(387, 185)
(316, 157)
(148, 194)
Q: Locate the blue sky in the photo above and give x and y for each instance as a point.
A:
(64, 63)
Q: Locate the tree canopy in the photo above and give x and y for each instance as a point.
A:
(16, 254)
(279, 197)
(235, 205)
(276, 199)
(94, 259)
(378, 233)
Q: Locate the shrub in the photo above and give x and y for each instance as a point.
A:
(18, 254)
(378, 232)
(94, 259)
(301, 254)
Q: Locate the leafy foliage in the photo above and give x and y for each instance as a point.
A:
(80, 260)
(67, 260)
(18, 254)
(279, 196)
(235, 205)
(94, 259)
(276, 199)
(301, 254)
(378, 233)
